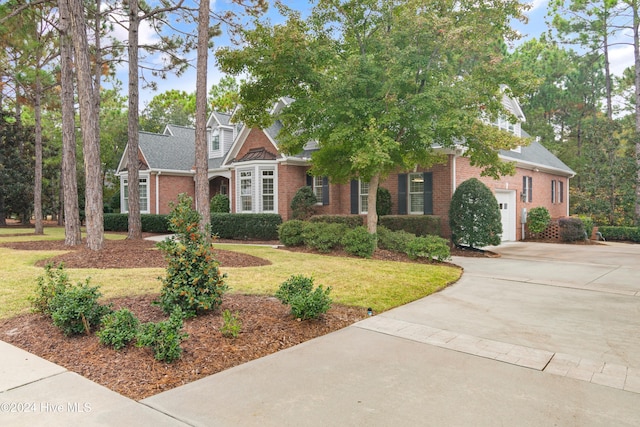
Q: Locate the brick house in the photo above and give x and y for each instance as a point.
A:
(246, 165)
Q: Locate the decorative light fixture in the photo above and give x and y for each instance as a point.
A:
(523, 196)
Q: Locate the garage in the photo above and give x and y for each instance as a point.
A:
(507, 203)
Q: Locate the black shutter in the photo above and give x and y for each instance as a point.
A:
(355, 187)
(530, 189)
(428, 193)
(402, 194)
(325, 190)
(309, 181)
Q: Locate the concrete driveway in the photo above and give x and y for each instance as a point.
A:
(547, 334)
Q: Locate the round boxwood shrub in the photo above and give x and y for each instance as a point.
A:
(474, 215)
(538, 219)
(220, 203)
(359, 242)
(290, 232)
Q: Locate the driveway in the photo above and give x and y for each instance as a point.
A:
(547, 334)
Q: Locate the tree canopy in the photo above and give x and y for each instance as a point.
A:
(379, 84)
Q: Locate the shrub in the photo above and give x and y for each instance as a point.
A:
(54, 282)
(587, 221)
(245, 226)
(163, 337)
(154, 223)
(118, 328)
(359, 242)
(571, 229)
(631, 234)
(290, 232)
(396, 241)
(193, 280)
(430, 247)
(76, 310)
(231, 324)
(383, 202)
(304, 203)
(350, 221)
(418, 225)
(474, 215)
(220, 204)
(322, 237)
(538, 219)
(295, 284)
(116, 222)
(304, 301)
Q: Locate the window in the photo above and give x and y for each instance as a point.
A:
(215, 140)
(561, 191)
(553, 191)
(364, 197)
(527, 189)
(223, 189)
(317, 186)
(246, 192)
(143, 190)
(416, 193)
(268, 191)
(557, 191)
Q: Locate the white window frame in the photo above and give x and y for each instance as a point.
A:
(143, 181)
(267, 190)
(411, 195)
(245, 190)
(317, 187)
(257, 177)
(216, 135)
(363, 197)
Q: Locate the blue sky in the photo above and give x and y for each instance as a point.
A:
(621, 56)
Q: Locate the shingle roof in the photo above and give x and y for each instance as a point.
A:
(169, 152)
(537, 155)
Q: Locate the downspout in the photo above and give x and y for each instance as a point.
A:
(158, 192)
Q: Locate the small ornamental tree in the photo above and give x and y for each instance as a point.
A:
(193, 279)
(304, 203)
(474, 215)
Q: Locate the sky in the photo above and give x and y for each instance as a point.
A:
(621, 56)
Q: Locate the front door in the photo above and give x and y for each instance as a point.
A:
(507, 203)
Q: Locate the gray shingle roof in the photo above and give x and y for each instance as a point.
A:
(169, 152)
(537, 155)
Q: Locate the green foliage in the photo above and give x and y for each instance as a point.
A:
(231, 324)
(419, 225)
(220, 204)
(290, 232)
(151, 223)
(163, 337)
(16, 168)
(294, 285)
(538, 219)
(245, 226)
(430, 247)
(351, 221)
(54, 282)
(174, 107)
(359, 242)
(304, 203)
(628, 234)
(397, 241)
(383, 202)
(587, 222)
(571, 229)
(118, 328)
(474, 215)
(76, 309)
(322, 236)
(305, 302)
(193, 280)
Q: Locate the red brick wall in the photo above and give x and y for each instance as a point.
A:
(256, 139)
(170, 186)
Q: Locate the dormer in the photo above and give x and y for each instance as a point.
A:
(220, 133)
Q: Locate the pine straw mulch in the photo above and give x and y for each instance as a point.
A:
(267, 327)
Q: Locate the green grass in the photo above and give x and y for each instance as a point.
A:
(380, 285)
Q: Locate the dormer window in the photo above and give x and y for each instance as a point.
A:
(215, 140)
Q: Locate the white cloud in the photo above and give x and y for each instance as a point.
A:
(537, 4)
(620, 58)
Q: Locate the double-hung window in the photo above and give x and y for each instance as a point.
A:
(317, 186)
(364, 197)
(268, 191)
(527, 189)
(143, 192)
(416, 193)
(246, 191)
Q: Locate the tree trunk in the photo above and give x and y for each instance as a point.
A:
(372, 213)
(37, 187)
(202, 162)
(133, 176)
(91, 139)
(68, 176)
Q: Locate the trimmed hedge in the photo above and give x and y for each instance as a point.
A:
(629, 234)
(420, 225)
(245, 226)
(150, 223)
(351, 221)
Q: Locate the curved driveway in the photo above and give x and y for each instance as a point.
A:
(547, 334)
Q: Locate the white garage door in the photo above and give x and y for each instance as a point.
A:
(507, 202)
